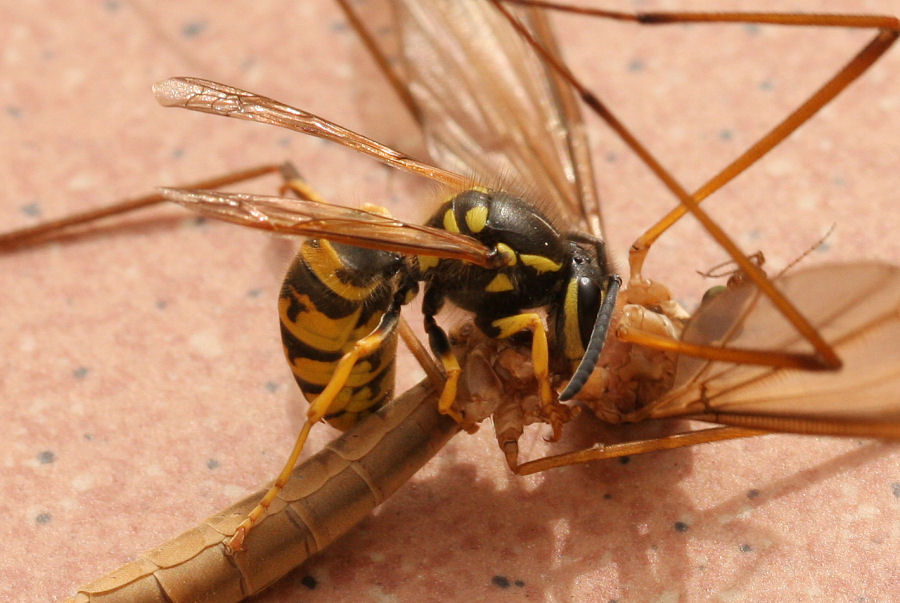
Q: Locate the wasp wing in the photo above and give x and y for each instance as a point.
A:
(488, 106)
(301, 217)
(220, 99)
(856, 307)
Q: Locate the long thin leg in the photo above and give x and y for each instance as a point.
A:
(888, 31)
(46, 231)
(691, 438)
(317, 411)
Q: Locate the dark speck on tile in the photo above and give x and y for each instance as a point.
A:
(895, 488)
(193, 29)
(32, 210)
(766, 85)
(338, 26)
(624, 460)
(13, 111)
(501, 581)
(726, 135)
(161, 304)
(45, 457)
(177, 153)
(519, 583)
(112, 5)
(309, 582)
(611, 157)
(212, 464)
(271, 386)
(635, 65)
(752, 493)
(88, 436)
(248, 63)
(43, 518)
(680, 526)
(607, 496)
(752, 29)
(255, 292)
(746, 548)
(80, 373)
(284, 142)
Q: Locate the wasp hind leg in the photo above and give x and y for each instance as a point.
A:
(296, 184)
(318, 410)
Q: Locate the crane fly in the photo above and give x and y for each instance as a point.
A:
(504, 503)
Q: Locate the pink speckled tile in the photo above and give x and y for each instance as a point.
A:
(142, 381)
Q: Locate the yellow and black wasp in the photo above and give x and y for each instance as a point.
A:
(486, 249)
(340, 298)
(340, 303)
(570, 206)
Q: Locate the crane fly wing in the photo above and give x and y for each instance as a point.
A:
(219, 99)
(300, 217)
(490, 108)
(856, 307)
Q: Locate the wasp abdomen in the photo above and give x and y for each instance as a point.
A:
(334, 295)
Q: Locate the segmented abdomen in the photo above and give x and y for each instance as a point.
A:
(332, 296)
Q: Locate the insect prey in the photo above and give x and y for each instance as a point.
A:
(854, 331)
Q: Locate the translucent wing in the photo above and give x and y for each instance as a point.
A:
(315, 219)
(207, 96)
(489, 108)
(856, 307)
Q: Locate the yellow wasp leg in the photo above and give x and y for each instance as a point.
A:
(317, 411)
(556, 413)
(448, 394)
(440, 347)
(295, 183)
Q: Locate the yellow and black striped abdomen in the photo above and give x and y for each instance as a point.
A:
(332, 296)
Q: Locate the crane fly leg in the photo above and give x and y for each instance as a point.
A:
(824, 356)
(52, 229)
(888, 28)
(680, 440)
(773, 358)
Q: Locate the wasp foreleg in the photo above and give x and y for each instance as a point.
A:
(556, 414)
